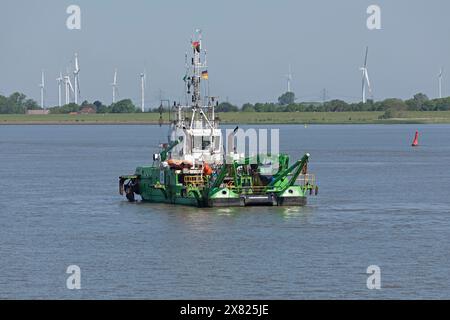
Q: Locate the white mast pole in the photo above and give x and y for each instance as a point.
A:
(42, 89)
(365, 77)
(60, 79)
(67, 88)
(143, 92)
(76, 76)
(114, 85)
(364, 87)
(76, 90)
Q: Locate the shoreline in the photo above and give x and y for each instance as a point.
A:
(144, 123)
(239, 118)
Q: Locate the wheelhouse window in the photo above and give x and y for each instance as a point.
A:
(205, 143)
(201, 142)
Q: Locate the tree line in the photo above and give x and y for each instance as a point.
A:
(420, 102)
(18, 103)
(122, 106)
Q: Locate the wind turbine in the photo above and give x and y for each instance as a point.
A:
(60, 82)
(441, 72)
(76, 73)
(114, 87)
(69, 87)
(143, 82)
(365, 78)
(289, 79)
(42, 86)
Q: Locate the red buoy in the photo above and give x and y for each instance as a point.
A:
(416, 140)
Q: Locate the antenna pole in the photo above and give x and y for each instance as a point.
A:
(197, 76)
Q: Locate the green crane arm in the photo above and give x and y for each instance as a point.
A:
(235, 175)
(218, 181)
(303, 163)
(169, 148)
(295, 169)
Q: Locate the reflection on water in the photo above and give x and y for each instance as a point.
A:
(380, 202)
(296, 213)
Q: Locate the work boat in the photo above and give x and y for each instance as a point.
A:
(193, 168)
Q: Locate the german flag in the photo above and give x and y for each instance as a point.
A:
(205, 75)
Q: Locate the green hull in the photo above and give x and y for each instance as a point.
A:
(153, 197)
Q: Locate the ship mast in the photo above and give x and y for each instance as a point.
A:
(196, 119)
(198, 67)
(194, 82)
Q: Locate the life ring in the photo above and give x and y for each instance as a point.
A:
(207, 171)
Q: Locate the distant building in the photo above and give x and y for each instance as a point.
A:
(88, 110)
(37, 112)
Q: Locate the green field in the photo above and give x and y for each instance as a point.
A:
(235, 118)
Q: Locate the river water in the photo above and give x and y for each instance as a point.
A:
(381, 203)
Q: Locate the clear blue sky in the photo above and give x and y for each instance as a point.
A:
(250, 45)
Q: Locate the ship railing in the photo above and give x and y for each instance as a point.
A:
(194, 180)
(249, 189)
(306, 180)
